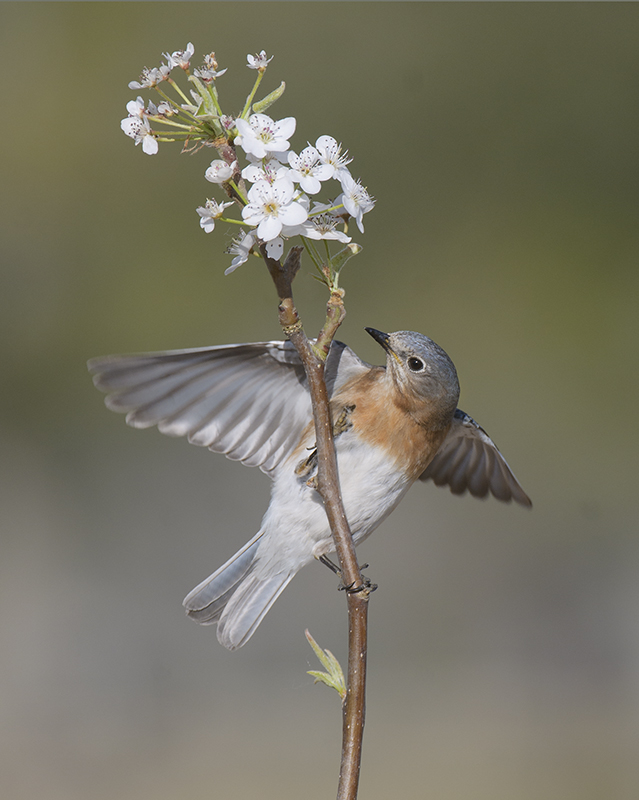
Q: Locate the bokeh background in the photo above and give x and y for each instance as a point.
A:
(501, 143)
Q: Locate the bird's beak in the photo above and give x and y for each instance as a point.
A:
(383, 339)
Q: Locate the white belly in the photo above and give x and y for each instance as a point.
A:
(295, 526)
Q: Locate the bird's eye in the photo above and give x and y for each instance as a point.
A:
(415, 364)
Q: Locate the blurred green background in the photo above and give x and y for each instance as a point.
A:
(500, 141)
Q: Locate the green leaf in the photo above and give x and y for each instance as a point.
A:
(207, 100)
(334, 676)
(262, 105)
(338, 260)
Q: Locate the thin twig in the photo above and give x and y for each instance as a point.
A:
(313, 360)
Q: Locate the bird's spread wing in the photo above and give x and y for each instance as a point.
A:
(469, 459)
(248, 401)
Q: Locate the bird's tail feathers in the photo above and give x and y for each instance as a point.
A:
(235, 597)
(247, 606)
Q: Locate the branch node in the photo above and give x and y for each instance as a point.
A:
(289, 330)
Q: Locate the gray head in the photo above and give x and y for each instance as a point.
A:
(422, 372)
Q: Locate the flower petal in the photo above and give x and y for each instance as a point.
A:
(310, 184)
(269, 228)
(275, 248)
(286, 127)
(292, 214)
(252, 214)
(149, 145)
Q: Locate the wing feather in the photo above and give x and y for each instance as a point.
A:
(248, 401)
(469, 460)
(457, 479)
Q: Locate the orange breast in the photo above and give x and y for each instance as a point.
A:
(380, 418)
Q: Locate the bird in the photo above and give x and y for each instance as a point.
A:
(393, 425)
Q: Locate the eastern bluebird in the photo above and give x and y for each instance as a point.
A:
(393, 425)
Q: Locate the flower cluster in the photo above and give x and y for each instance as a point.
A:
(275, 187)
(277, 203)
(191, 120)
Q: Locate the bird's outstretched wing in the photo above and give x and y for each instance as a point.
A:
(469, 460)
(248, 401)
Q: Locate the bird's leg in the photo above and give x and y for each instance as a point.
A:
(307, 467)
(328, 563)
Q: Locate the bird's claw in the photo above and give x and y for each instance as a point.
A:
(365, 586)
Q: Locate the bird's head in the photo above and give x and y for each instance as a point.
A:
(423, 374)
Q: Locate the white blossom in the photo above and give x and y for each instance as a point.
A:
(135, 107)
(208, 75)
(166, 109)
(219, 172)
(330, 153)
(261, 135)
(211, 211)
(228, 123)
(209, 71)
(269, 169)
(303, 200)
(280, 158)
(258, 61)
(240, 248)
(322, 226)
(151, 77)
(357, 201)
(138, 128)
(308, 170)
(270, 206)
(180, 58)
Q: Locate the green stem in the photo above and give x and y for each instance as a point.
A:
(238, 191)
(234, 221)
(328, 253)
(249, 99)
(183, 134)
(181, 113)
(168, 99)
(213, 95)
(186, 137)
(312, 252)
(165, 121)
(179, 91)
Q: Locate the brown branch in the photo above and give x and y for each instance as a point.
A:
(335, 314)
(313, 358)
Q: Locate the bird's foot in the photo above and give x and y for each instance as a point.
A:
(365, 586)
